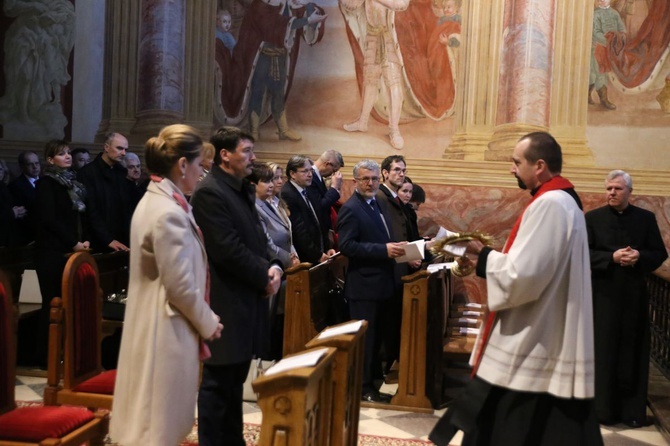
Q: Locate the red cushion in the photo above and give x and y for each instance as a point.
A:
(102, 383)
(37, 423)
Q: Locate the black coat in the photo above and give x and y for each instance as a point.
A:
(306, 230)
(237, 251)
(621, 308)
(25, 194)
(327, 197)
(109, 203)
(8, 236)
(58, 223)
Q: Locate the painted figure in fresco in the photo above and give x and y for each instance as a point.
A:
(633, 13)
(256, 79)
(449, 12)
(381, 59)
(37, 51)
(606, 20)
(224, 21)
(403, 70)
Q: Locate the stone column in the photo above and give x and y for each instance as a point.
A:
(199, 68)
(120, 71)
(525, 74)
(160, 99)
(570, 79)
(477, 79)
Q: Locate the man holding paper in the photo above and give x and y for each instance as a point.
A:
(365, 237)
(534, 360)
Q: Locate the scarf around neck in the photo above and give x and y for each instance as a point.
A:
(67, 179)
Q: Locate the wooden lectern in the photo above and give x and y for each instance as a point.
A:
(347, 379)
(297, 404)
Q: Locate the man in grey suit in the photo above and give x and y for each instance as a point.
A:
(242, 276)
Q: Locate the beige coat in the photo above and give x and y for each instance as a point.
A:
(157, 380)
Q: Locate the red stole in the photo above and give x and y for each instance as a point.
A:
(555, 183)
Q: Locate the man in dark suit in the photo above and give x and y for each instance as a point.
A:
(366, 239)
(310, 242)
(328, 165)
(242, 277)
(109, 197)
(24, 194)
(393, 175)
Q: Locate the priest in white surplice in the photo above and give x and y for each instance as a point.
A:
(534, 367)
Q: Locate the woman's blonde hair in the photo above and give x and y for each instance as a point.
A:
(173, 142)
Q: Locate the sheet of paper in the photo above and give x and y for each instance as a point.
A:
(413, 251)
(433, 267)
(308, 359)
(351, 327)
(453, 250)
(468, 331)
(30, 288)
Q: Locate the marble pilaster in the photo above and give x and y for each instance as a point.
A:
(160, 99)
(570, 79)
(525, 74)
(477, 80)
(199, 64)
(122, 19)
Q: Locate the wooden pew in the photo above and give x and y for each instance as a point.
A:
(308, 305)
(297, 404)
(432, 334)
(347, 380)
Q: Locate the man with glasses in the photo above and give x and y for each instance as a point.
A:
(327, 166)
(109, 206)
(311, 244)
(24, 194)
(366, 239)
(393, 174)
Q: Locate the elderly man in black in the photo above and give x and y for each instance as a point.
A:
(625, 244)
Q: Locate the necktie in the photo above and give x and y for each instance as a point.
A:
(398, 200)
(316, 219)
(375, 209)
(203, 349)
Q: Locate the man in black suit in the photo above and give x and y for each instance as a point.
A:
(366, 239)
(24, 194)
(109, 197)
(328, 165)
(242, 277)
(311, 244)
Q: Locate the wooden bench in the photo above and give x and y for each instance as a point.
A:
(347, 380)
(308, 306)
(297, 404)
(433, 333)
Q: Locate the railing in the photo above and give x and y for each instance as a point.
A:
(659, 320)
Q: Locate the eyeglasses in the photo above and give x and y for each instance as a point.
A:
(368, 179)
(305, 171)
(398, 170)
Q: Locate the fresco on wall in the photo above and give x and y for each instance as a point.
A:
(37, 47)
(408, 58)
(630, 68)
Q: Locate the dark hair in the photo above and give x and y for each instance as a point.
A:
(543, 146)
(418, 194)
(228, 138)
(23, 155)
(261, 172)
(173, 142)
(53, 147)
(79, 150)
(407, 180)
(389, 160)
(295, 163)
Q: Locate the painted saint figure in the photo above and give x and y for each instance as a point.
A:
(255, 81)
(224, 21)
(606, 20)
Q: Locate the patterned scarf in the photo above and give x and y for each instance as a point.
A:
(66, 178)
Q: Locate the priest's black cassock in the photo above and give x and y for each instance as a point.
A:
(621, 308)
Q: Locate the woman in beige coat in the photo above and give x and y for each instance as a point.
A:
(167, 314)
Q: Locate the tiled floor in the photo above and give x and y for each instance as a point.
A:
(391, 423)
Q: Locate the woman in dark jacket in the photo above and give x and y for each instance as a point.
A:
(59, 208)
